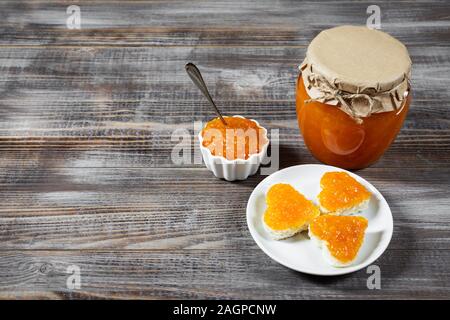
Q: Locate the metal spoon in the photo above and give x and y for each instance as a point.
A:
(197, 78)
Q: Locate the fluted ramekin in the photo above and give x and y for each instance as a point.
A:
(238, 169)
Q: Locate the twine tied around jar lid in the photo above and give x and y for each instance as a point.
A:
(347, 67)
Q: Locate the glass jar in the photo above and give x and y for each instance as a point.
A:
(335, 138)
(352, 95)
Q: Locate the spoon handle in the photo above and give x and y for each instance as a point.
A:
(197, 78)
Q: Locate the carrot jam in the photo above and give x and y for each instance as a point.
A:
(287, 208)
(239, 139)
(341, 191)
(343, 235)
(334, 138)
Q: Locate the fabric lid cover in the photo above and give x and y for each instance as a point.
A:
(360, 70)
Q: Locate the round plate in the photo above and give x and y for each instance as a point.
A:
(300, 253)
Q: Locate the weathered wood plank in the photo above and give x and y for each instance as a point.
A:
(75, 156)
(79, 208)
(193, 274)
(224, 23)
(157, 75)
(71, 107)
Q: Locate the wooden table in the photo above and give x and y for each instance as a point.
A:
(86, 123)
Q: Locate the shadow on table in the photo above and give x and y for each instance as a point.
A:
(292, 156)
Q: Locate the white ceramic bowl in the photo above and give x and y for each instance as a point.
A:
(238, 169)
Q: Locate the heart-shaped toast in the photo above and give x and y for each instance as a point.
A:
(341, 194)
(288, 211)
(340, 237)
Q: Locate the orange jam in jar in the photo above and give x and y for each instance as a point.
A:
(343, 235)
(352, 95)
(334, 138)
(238, 139)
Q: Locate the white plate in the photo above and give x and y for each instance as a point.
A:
(300, 253)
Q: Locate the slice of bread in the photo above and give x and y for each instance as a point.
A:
(345, 211)
(288, 212)
(285, 233)
(339, 237)
(341, 194)
(327, 256)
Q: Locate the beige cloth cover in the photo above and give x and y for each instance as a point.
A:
(359, 70)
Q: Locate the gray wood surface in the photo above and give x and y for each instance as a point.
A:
(86, 118)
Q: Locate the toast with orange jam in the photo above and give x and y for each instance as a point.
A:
(341, 194)
(340, 237)
(288, 211)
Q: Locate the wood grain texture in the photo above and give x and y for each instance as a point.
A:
(182, 208)
(86, 124)
(226, 274)
(96, 107)
(217, 23)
